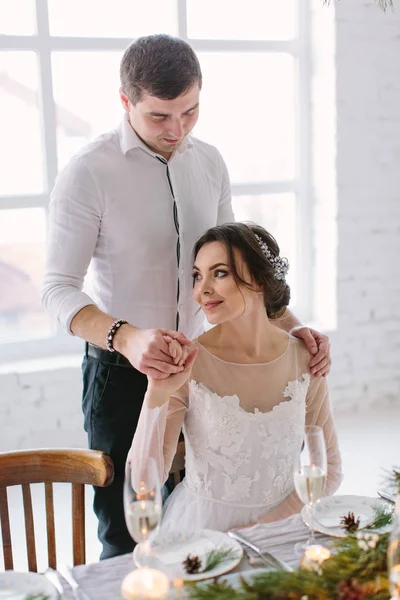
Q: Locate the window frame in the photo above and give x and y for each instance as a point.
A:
(43, 44)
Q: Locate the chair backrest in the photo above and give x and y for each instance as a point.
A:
(48, 466)
(178, 464)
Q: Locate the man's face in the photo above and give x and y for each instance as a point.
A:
(163, 124)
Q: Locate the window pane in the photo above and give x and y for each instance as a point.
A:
(86, 86)
(241, 20)
(247, 111)
(20, 139)
(277, 214)
(22, 237)
(17, 17)
(120, 18)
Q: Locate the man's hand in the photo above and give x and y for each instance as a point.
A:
(148, 351)
(317, 345)
(173, 382)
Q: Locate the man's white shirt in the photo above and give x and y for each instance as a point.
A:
(113, 207)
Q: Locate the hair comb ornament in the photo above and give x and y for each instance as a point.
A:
(280, 263)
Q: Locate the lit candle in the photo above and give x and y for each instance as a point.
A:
(313, 558)
(145, 584)
(394, 581)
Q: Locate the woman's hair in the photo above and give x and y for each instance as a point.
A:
(242, 236)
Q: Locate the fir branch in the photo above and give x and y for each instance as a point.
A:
(365, 567)
(383, 517)
(212, 559)
(38, 597)
(217, 557)
(392, 479)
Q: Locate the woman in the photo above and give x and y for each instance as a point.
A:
(244, 395)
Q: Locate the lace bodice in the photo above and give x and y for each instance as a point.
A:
(243, 425)
(243, 457)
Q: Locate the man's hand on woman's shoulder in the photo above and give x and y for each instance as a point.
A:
(318, 346)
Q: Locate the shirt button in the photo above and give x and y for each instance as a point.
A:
(181, 271)
(176, 199)
(180, 306)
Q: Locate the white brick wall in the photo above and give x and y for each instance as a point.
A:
(40, 409)
(43, 408)
(367, 341)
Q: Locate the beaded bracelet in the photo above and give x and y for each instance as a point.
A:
(111, 333)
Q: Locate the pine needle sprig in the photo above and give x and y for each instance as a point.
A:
(383, 517)
(392, 479)
(350, 563)
(217, 557)
(214, 558)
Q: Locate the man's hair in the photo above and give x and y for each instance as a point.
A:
(159, 65)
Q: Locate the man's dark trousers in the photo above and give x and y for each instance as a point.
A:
(113, 393)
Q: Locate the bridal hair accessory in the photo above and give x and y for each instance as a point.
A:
(280, 263)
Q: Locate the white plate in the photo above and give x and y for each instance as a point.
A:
(171, 549)
(330, 509)
(18, 586)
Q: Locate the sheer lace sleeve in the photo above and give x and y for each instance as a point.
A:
(318, 413)
(157, 435)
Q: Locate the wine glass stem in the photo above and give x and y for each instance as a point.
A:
(311, 540)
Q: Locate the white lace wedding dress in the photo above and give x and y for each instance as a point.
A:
(243, 425)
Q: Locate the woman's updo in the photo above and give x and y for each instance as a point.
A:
(263, 271)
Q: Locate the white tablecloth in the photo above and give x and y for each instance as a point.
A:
(102, 580)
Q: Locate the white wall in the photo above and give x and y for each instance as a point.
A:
(43, 408)
(367, 342)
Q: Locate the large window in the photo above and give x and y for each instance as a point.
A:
(59, 86)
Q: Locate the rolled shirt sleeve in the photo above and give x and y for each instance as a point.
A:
(74, 225)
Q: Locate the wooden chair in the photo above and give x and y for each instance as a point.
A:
(178, 464)
(48, 466)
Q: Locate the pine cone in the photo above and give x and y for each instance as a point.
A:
(192, 564)
(349, 523)
(349, 589)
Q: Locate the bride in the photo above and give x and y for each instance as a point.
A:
(243, 398)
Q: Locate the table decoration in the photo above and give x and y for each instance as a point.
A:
(211, 553)
(145, 584)
(214, 558)
(356, 570)
(313, 558)
(350, 522)
(353, 565)
(375, 515)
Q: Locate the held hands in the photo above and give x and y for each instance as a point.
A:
(184, 356)
(317, 345)
(149, 351)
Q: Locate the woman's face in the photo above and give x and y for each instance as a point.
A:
(215, 289)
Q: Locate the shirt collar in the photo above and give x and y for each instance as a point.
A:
(129, 139)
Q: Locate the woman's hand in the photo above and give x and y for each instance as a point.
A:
(173, 382)
(177, 351)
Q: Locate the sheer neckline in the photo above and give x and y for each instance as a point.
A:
(289, 396)
(263, 364)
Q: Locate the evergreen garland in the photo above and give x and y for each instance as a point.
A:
(357, 569)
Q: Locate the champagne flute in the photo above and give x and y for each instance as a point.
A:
(142, 507)
(310, 468)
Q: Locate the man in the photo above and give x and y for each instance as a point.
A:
(131, 204)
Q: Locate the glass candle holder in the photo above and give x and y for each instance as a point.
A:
(145, 584)
(313, 558)
(394, 582)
